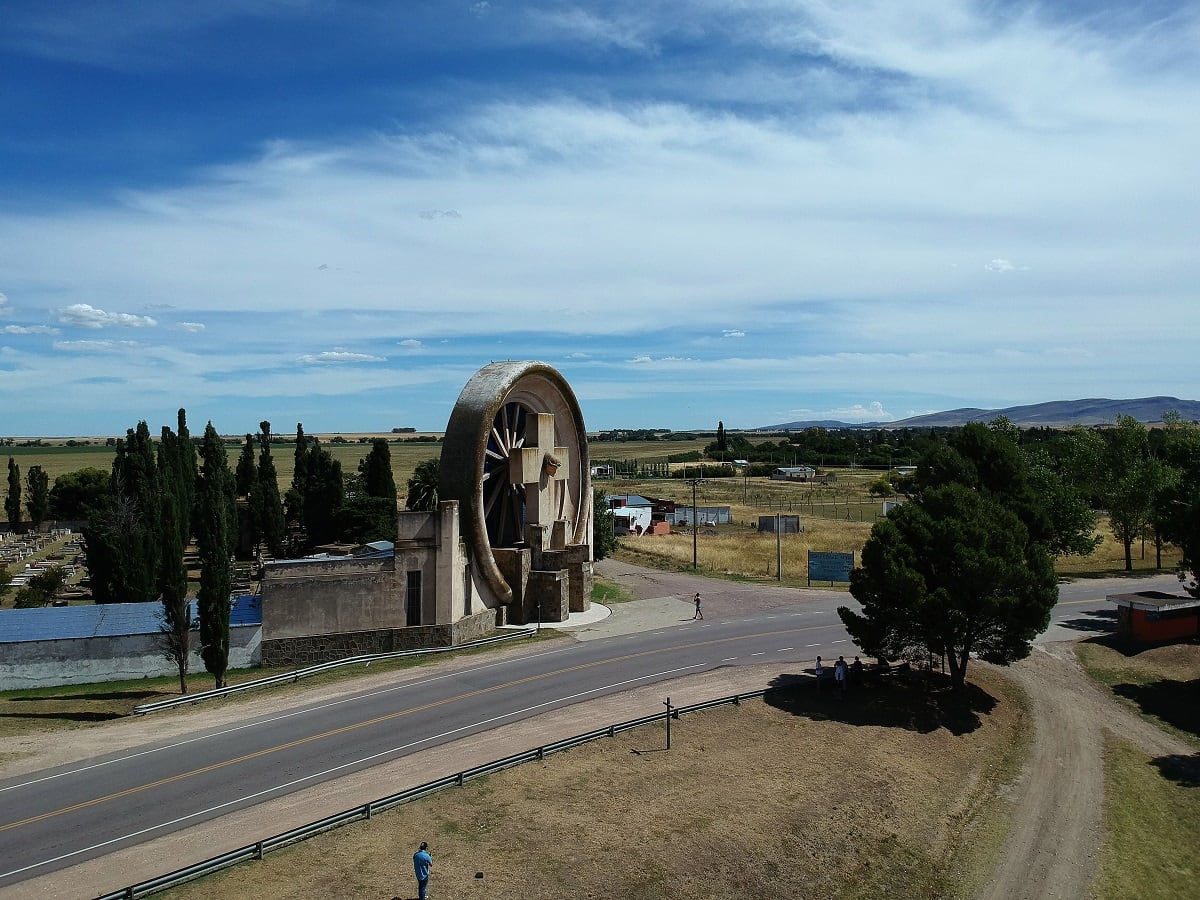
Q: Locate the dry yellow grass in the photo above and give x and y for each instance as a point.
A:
(807, 797)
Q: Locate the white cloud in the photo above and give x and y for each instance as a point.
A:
(412, 344)
(338, 356)
(191, 327)
(83, 315)
(859, 413)
(430, 214)
(999, 265)
(95, 346)
(3, 300)
(29, 329)
(733, 333)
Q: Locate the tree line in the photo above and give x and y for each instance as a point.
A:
(966, 566)
(160, 498)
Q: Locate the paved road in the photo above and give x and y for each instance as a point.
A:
(59, 818)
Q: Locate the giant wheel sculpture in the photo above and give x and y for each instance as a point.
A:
(491, 423)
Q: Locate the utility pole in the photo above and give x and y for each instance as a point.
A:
(695, 523)
(778, 549)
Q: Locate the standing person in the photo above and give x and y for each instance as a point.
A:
(840, 673)
(422, 863)
(699, 614)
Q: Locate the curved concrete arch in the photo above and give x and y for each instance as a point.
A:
(535, 387)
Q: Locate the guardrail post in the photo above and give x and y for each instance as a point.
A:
(367, 811)
(258, 850)
(460, 779)
(541, 753)
(737, 699)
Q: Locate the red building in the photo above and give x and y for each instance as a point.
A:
(1151, 617)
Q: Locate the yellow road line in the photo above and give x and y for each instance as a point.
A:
(375, 721)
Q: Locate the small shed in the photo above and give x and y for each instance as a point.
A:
(1155, 617)
(787, 524)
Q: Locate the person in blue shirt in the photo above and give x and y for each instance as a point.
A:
(422, 863)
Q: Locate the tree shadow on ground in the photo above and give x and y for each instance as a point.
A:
(67, 716)
(1102, 621)
(1183, 770)
(1175, 702)
(921, 702)
(113, 695)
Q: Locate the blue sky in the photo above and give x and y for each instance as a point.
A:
(755, 212)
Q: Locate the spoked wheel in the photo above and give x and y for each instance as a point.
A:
(491, 423)
(504, 499)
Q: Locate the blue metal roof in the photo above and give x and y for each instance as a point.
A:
(104, 620)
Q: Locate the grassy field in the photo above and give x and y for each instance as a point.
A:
(1152, 806)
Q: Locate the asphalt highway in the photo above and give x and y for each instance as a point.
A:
(58, 818)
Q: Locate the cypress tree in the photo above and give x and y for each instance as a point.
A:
(38, 502)
(12, 503)
(267, 503)
(245, 468)
(215, 545)
(324, 495)
(176, 618)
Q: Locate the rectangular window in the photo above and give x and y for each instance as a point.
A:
(412, 599)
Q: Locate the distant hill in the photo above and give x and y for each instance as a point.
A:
(1055, 414)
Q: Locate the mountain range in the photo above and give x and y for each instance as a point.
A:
(1054, 414)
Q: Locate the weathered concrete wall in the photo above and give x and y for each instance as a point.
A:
(319, 597)
(303, 651)
(89, 660)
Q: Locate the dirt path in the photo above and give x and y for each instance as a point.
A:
(1057, 831)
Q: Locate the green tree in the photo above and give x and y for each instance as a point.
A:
(293, 499)
(265, 502)
(324, 495)
(369, 512)
(12, 503)
(1131, 478)
(1179, 508)
(214, 492)
(986, 459)
(721, 444)
(247, 471)
(37, 504)
(176, 625)
(41, 589)
(952, 572)
(5, 579)
(423, 486)
(124, 543)
(604, 535)
(77, 494)
(375, 470)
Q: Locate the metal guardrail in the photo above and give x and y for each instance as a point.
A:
(364, 812)
(185, 699)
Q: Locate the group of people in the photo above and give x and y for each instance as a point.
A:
(842, 672)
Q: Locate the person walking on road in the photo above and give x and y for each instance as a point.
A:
(699, 614)
(422, 863)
